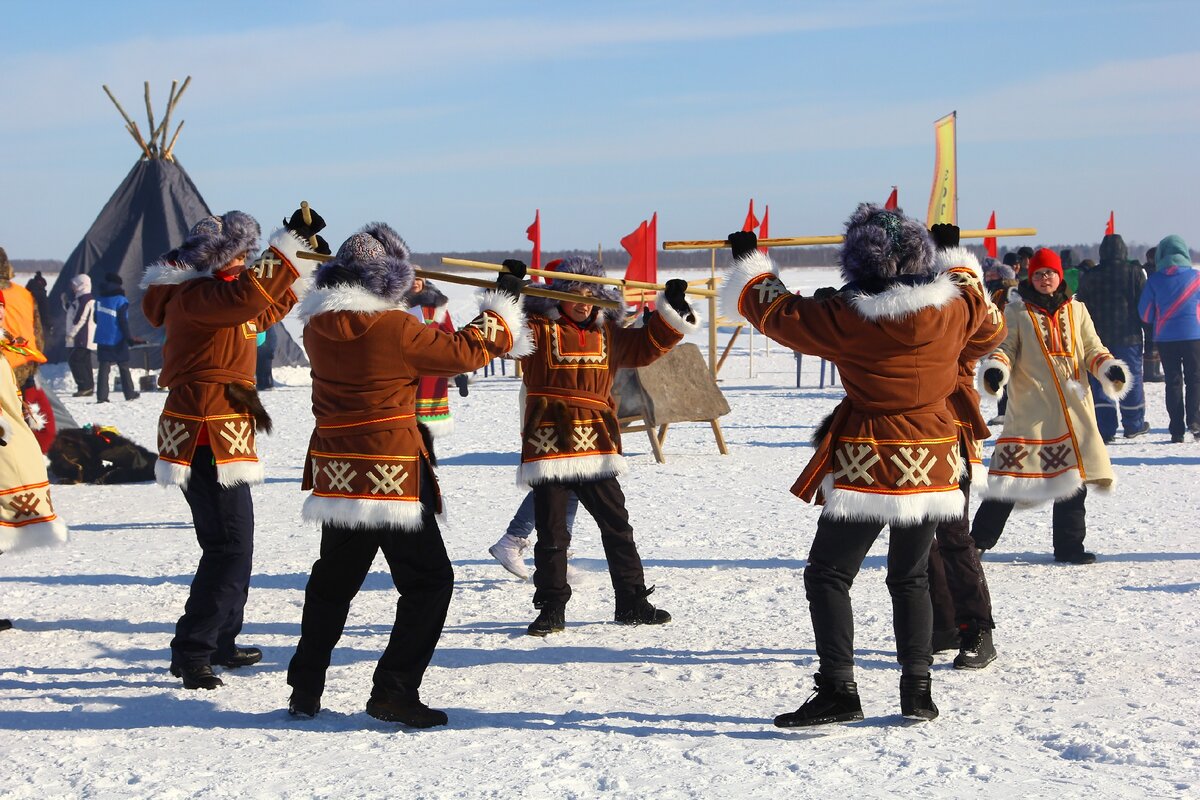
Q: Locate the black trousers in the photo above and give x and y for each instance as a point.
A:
(957, 585)
(605, 501)
(127, 385)
(422, 574)
(80, 361)
(1070, 524)
(224, 521)
(1181, 373)
(837, 554)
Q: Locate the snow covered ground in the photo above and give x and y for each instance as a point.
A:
(1095, 692)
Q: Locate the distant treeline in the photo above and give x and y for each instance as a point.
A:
(31, 265)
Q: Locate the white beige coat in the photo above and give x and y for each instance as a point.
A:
(1050, 445)
(27, 517)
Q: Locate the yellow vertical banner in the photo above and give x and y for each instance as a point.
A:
(943, 198)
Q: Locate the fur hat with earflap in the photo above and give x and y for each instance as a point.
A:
(883, 245)
(370, 273)
(215, 241)
(562, 282)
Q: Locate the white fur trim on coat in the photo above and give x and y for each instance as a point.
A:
(979, 477)
(439, 427)
(735, 278)
(168, 474)
(674, 318)
(34, 418)
(49, 533)
(509, 309)
(342, 297)
(1029, 492)
(574, 468)
(439, 314)
(957, 257)
(989, 363)
(899, 301)
(290, 246)
(1110, 389)
(904, 510)
(162, 273)
(354, 513)
(235, 472)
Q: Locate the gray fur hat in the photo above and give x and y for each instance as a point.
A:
(575, 265)
(375, 258)
(215, 241)
(882, 244)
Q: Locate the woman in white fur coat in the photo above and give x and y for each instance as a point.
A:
(1050, 448)
(27, 517)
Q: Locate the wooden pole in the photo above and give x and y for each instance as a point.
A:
(801, 241)
(307, 214)
(170, 152)
(130, 125)
(164, 126)
(462, 262)
(465, 281)
(712, 318)
(150, 119)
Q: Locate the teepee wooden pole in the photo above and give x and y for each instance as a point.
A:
(130, 125)
(164, 126)
(169, 154)
(152, 129)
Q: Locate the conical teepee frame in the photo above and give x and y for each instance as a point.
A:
(158, 146)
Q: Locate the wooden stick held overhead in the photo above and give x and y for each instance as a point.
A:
(529, 289)
(307, 214)
(802, 241)
(462, 262)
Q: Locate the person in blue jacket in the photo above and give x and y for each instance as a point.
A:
(112, 337)
(1170, 305)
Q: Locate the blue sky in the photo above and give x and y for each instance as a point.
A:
(453, 121)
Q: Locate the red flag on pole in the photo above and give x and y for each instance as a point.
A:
(751, 221)
(762, 229)
(893, 201)
(643, 255)
(534, 234)
(989, 242)
(1111, 228)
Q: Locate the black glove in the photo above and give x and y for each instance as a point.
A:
(297, 225)
(646, 315)
(824, 293)
(323, 246)
(515, 267)
(991, 379)
(674, 295)
(743, 243)
(1116, 375)
(461, 382)
(944, 235)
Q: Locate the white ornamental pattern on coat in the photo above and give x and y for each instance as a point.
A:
(339, 474)
(544, 440)
(237, 433)
(560, 357)
(584, 437)
(264, 266)
(390, 480)
(769, 289)
(915, 465)
(171, 435)
(488, 325)
(854, 463)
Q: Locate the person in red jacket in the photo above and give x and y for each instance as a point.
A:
(212, 303)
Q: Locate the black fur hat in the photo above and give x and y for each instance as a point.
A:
(575, 265)
(882, 244)
(375, 258)
(215, 241)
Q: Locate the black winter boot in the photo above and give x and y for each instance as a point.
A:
(636, 609)
(916, 697)
(977, 649)
(404, 707)
(303, 704)
(5, 624)
(241, 657)
(197, 677)
(831, 701)
(551, 619)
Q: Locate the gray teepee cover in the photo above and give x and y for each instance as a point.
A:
(151, 212)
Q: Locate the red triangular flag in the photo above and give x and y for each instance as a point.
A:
(762, 229)
(636, 245)
(893, 201)
(1111, 228)
(534, 234)
(989, 242)
(751, 221)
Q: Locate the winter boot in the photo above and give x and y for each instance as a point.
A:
(831, 701)
(404, 707)
(241, 657)
(551, 619)
(5, 624)
(635, 609)
(198, 676)
(1138, 432)
(916, 698)
(1081, 558)
(977, 649)
(303, 704)
(508, 551)
(944, 641)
